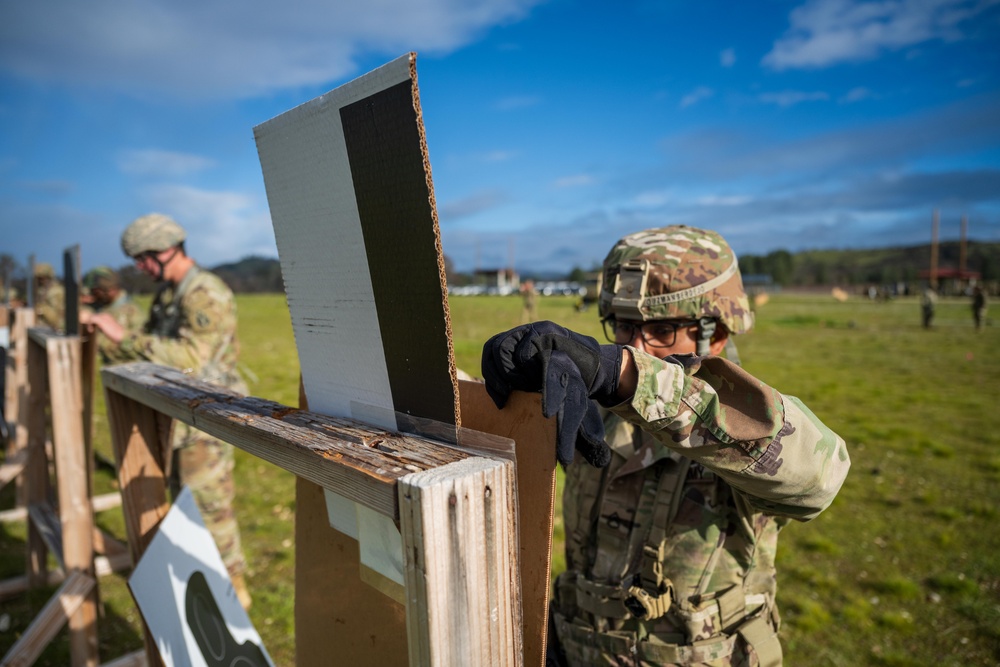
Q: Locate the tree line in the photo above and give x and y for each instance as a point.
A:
(808, 268)
(879, 266)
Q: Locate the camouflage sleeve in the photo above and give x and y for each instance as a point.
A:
(207, 330)
(768, 446)
(51, 309)
(131, 317)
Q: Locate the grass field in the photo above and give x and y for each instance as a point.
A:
(902, 570)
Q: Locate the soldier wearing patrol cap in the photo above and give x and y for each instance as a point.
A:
(50, 298)
(695, 465)
(191, 326)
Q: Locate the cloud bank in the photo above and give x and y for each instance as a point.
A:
(220, 49)
(828, 32)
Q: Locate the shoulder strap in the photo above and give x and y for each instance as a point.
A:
(185, 284)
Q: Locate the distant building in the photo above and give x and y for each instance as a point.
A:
(504, 281)
(759, 282)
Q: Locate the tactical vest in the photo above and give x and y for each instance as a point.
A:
(667, 563)
(165, 318)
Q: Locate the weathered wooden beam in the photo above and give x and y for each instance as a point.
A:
(61, 606)
(42, 335)
(361, 462)
(12, 467)
(100, 503)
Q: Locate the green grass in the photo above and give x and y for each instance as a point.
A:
(901, 570)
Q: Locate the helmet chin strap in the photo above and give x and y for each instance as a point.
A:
(163, 264)
(706, 329)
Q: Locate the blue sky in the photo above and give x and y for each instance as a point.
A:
(553, 127)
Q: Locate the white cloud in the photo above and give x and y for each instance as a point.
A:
(727, 58)
(652, 199)
(499, 156)
(218, 48)
(787, 98)
(478, 202)
(827, 32)
(159, 163)
(856, 95)
(697, 95)
(723, 200)
(221, 226)
(574, 181)
(52, 188)
(517, 102)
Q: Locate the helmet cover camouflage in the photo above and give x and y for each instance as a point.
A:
(676, 272)
(102, 277)
(44, 270)
(151, 233)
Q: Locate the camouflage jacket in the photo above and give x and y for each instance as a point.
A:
(127, 314)
(50, 306)
(192, 327)
(708, 464)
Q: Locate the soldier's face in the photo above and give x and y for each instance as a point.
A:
(685, 339)
(675, 337)
(148, 264)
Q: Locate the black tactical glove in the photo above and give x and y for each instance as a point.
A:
(569, 370)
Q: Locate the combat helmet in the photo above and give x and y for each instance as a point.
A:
(151, 233)
(102, 277)
(676, 272)
(44, 270)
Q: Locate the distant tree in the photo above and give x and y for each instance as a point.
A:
(135, 281)
(252, 274)
(577, 275)
(780, 265)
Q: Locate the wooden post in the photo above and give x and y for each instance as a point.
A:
(76, 516)
(18, 389)
(462, 605)
(36, 473)
(140, 437)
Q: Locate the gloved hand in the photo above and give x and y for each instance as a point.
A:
(569, 369)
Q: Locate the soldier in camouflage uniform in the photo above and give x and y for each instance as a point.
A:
(191, 326)
(102, 293)
(50, 298)
(670, 544)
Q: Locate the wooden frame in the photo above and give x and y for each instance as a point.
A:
(57, 379)
(17, 391)
(67, 530)
(456, 511)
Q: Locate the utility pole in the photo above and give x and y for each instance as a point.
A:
(934, 250)
(962, 247)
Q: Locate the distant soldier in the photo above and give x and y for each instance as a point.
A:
(50, 299)
(928, 302)
(191, 326)
(530, 296)
(979, 305)
(102, 293)
(691, 469)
